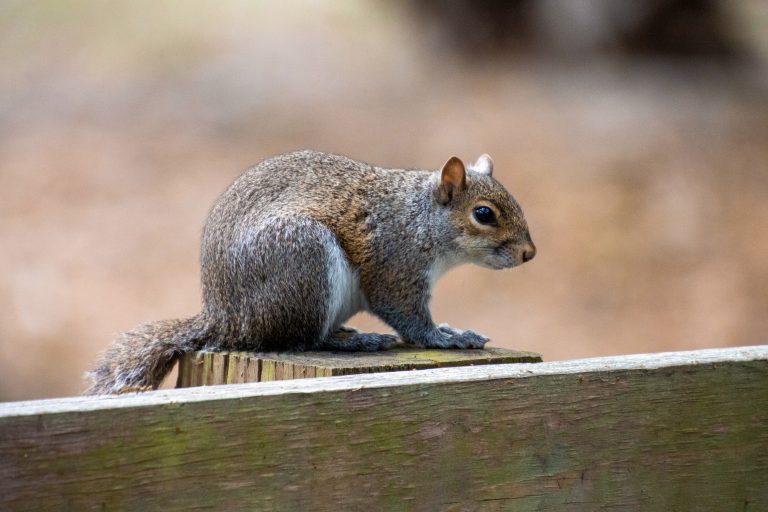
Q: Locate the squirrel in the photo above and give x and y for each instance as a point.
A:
(302, 241)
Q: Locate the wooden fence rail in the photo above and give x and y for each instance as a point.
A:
(683, 431)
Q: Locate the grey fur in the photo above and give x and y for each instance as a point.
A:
(303, 240)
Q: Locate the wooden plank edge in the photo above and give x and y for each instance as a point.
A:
(388, 379)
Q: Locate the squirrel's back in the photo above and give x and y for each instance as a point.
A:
(332, 188)
(352, 198)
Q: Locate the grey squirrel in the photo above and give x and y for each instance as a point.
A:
(302, 241)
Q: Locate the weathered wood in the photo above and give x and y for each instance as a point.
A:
(660, 432)
(239, 367)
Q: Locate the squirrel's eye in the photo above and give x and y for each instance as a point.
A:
(484, 215)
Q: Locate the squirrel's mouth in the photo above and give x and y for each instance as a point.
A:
(509, 255)
(498, 259)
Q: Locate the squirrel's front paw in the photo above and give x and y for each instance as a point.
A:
(456, 338)
(469, 339)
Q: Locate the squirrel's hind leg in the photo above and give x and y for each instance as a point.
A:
(351, 340)
(303, 304)
(278, 286)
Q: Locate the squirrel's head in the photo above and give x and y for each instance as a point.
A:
(490, 229)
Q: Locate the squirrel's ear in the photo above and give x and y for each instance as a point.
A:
(484, 165)
(453, 180)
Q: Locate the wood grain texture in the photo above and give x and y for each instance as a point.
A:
(661, 432)
(209, 368)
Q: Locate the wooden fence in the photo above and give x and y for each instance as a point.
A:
(683, 431)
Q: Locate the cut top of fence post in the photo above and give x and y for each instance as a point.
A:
(208, 368)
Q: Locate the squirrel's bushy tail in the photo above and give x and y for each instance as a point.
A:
(139, 359)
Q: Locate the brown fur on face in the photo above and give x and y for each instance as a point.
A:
(504, 244)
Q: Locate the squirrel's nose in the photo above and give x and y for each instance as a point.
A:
(529, 251)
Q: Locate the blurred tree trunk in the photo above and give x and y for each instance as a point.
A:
(575, 28)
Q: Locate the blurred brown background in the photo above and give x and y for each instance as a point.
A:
(634, 134)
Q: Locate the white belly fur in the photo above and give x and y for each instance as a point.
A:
(346, 298)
